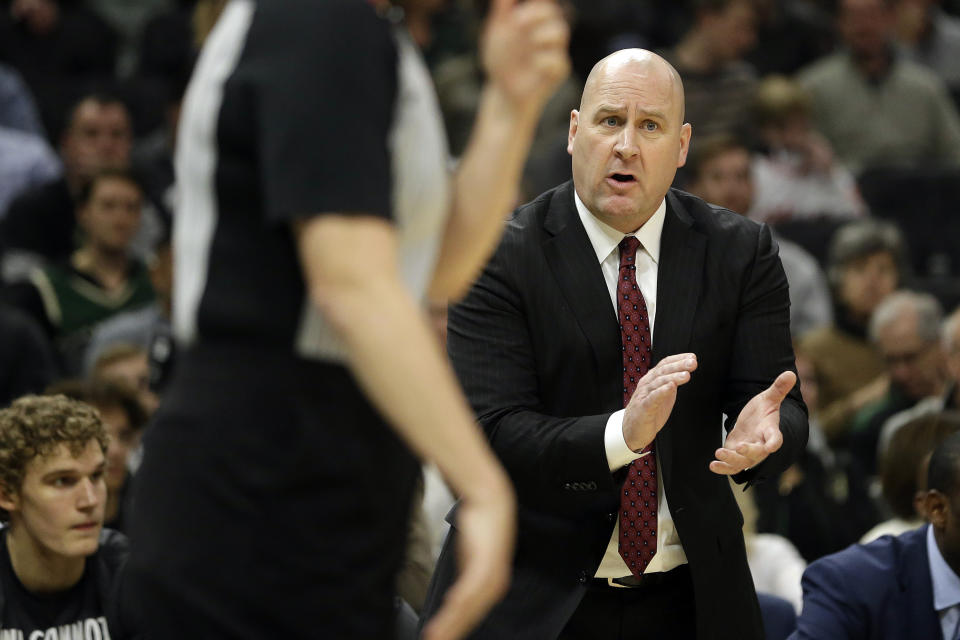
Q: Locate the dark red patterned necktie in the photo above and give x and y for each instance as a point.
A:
(638, 498)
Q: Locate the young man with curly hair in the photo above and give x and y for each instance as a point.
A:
(57, 566)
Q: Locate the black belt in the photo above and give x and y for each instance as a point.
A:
(655, 579)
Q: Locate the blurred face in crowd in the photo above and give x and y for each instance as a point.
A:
(731, 32)
(123, 439)
(40, 16)
(865, 282)
(725, 180)
(60, 504)
(792, 134)
(111, 216)
(134, 374)
(628, 138)
(915, 365)
(99, 137)
(866, 26)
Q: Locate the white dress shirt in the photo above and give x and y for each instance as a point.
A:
(605, 240)
(946, 589)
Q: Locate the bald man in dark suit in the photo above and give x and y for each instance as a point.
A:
(617, 324)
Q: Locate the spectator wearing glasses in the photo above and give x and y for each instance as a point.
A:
(906, 331)
(949, 400)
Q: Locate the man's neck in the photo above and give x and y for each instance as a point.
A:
(39, 570)
(108, 267)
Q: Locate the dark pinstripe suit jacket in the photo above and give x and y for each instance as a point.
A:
(536, 345)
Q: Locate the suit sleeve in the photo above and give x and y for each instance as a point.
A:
(762, 350)
(558, 464)
(828, 610)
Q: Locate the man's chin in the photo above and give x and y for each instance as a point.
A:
(81, 545)
(620, 212)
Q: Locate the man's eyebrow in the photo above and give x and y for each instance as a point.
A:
(60, 471)
(71, 470)
(652, 113)
(607, 108)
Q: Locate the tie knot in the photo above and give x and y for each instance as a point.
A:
(628, 249)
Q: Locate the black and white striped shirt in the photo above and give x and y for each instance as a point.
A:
(298, 108)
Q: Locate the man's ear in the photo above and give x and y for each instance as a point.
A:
(936, 507)
(574, 125)
(686, 131)
(9, 501)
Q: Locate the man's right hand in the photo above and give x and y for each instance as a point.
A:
(486, 526)
(653, 399)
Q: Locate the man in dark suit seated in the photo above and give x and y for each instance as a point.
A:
(895, 587)
(611, 430)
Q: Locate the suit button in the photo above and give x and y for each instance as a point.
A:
(583, 577)
(567, 486)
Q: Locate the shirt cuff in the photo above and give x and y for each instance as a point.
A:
(618, 453)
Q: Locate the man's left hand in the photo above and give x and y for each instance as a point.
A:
(757, 432)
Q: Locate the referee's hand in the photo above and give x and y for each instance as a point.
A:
(486, 527)
(524, 51)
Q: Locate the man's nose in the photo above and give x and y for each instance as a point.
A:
(626, 146)
(107, 143)
(89, 496)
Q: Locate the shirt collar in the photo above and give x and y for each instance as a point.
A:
(946, 583)
(605, 238)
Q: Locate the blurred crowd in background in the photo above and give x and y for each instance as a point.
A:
(833, 121)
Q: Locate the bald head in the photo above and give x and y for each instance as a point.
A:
(628, 138)
(635, 61)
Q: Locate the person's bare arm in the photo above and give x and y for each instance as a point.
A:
(350, 268)
(524, 54)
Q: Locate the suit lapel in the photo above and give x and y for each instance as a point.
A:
(679, 280)
(679, 283)
(574, 264)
